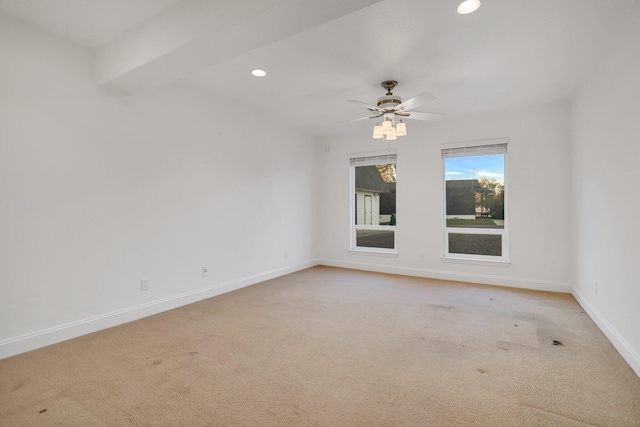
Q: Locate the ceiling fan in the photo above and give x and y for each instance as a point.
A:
(393, 110)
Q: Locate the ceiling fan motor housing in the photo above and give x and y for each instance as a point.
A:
(389, 101)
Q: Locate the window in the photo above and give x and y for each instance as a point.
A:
(373, 203)
(475, 214)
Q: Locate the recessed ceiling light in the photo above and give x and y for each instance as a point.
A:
(468, 6)
(259, 73)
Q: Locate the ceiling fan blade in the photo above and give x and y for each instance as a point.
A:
(414, 102)
(369, 106)
(366, 118)
(431, 117)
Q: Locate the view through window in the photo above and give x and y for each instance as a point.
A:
(475, 202)
(373, 185)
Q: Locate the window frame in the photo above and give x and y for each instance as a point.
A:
(487, 146)
(369, 159)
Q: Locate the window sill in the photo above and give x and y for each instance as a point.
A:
(393, 254)
(476, 261)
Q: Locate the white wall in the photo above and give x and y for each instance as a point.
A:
(606, 156)
(538, 197)
(98, 191)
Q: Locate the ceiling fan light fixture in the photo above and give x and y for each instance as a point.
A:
(401, 129)
(468, 6)
(259, 73)
(391, 110)
(377, 131)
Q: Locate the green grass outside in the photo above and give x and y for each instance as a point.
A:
(473, 223)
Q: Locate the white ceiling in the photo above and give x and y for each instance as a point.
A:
(509, 53)
(91, 23)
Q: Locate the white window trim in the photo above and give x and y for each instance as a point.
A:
(368, 159)
(504, 232)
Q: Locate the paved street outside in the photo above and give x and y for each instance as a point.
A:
(375, 238)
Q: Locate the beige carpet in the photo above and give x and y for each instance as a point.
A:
(334, 347)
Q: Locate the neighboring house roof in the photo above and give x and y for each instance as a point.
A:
(466, 184)
(368, 179)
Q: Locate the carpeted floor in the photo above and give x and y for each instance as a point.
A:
(334, 347)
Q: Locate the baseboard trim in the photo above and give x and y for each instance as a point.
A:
(32, 341)
(485, 279)
(626, 351)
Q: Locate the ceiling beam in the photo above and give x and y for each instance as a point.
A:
(196, 34)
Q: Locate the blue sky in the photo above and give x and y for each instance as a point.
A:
(491, 166)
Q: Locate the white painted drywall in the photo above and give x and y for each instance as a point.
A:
(606, 154)
(538, 195)
(100, 190)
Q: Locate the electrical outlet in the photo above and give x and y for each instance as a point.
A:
(286, 255)
(596, 286)
(205, 271)
(421, 257)
(144, 284)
